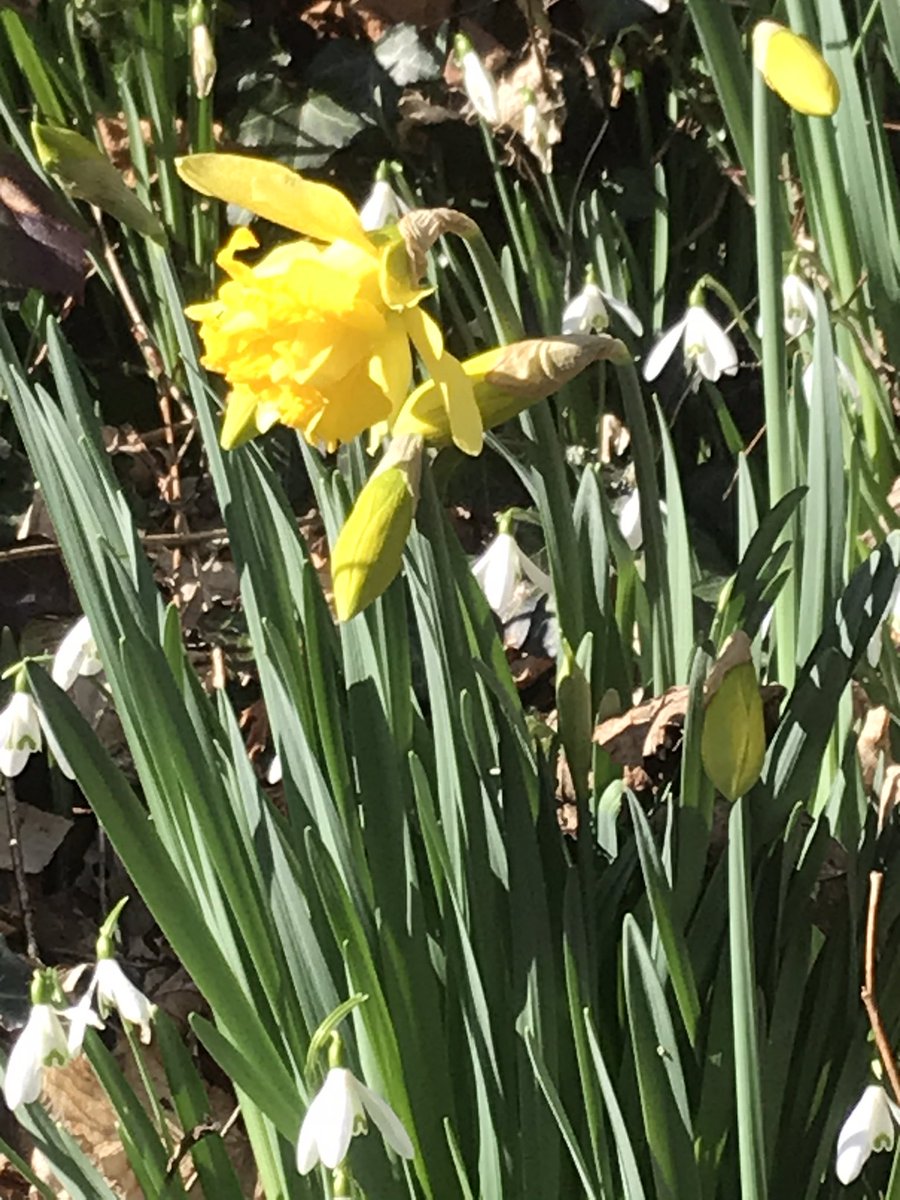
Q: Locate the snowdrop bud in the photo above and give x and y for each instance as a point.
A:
(630, 520)
(76, 655)
(337, 1113)
(20, 731)
(477, 81)
(383, 206)
(203, 60)
(868, 1129)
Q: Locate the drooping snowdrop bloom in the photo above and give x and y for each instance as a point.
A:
(275, 773)
(338, 1112)
(42, 1043)
(382, 207)
(868, 1129)
(658, 6)
(76, 655)
(500, 571)
(116, 991)
(706, 346)
(845, 378)
(478, 82)
(587, 312)
(799, 304)
(20, 733)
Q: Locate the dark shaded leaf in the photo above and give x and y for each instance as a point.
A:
(39, 246)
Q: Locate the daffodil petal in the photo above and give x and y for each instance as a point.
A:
(391, 363)
(275, 192)
(239, 424)
(456, 388)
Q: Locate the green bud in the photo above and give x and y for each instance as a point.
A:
(733, 743)
(368, 553)
(87, 174)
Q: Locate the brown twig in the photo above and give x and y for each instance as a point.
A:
(18, 865)
(876, 882)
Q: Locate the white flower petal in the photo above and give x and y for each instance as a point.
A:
(20, 733)
(630, 520)
(115, 990)
(586, 312)
(390, 1125)
(497, 572)
(799, 305)
(626, 313)
(663, 350)
(383, 206)
(480, 87)
(336, 1108)
(54, 747)
(275, 772)
(40, 1042)
(870, 1126)
(77, 655)
(80, 1016)
(708, 345)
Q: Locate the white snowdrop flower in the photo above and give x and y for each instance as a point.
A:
(338, 1112)
(477, 81)
(274, 773)
(42, 1043)
(868, 1129)
(706, 346)
(77, 655)
(799, 305)
(382, 207)
(845, 378)
(501, 569)
(658, 6)
(20, 733)
(80, 1016)
(116, 991)
(587, 312)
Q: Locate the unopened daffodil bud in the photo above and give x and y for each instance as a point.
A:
(509, 379)
(369, 550)
(87, 174)
(795, 70)
(733, 743)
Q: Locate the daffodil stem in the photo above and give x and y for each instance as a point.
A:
(768, 256)
(158, 1114)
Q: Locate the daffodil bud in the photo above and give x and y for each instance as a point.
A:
(509, 379)
(795, 70)
(733, 743)
(87, 174)
(369, 550)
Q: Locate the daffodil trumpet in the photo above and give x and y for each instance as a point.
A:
(318, 333)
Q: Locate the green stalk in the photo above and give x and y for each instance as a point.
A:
(768, 254)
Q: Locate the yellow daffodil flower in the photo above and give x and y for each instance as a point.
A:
(795, 70)
(316, 333)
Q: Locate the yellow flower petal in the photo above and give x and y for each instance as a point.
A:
(398, 288)
(795, 70)
(239, 425)
(350, 407)
(275, 192)
(391, 363)
(455, 386)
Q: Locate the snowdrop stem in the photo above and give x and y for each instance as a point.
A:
(506, 201)
(876, 882)
(710, 283)
(342, 1181)
(155, 1106)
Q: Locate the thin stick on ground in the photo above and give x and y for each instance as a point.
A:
(876, 882)
(18, 865)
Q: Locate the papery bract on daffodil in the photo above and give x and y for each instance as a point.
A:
(316, 334)
(509, 379)
(795, 70)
